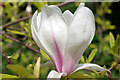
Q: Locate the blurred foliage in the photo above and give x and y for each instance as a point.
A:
(104, 47)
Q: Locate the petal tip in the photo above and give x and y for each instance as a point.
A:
(54, 74)
(36, 12)
(34, 15)
(108, 71)
(82, 5)
(45, 6)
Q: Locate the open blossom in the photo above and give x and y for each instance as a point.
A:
(64, 37)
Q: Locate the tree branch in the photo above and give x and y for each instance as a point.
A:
(3, 53)
(14, 22)
(18, 41)
(114, 65)
(64, 3)
(28, 17)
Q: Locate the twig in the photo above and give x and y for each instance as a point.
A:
(114, 65)
(14, 22)
(26, 18)
(89, 70)
(111, 69)
(3, 53)
(110, 77)
(64, 3)
(18, 41)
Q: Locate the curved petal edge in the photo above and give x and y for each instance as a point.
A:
(54, 74)
(90, 66)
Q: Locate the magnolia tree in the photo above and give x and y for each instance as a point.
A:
(62, 39)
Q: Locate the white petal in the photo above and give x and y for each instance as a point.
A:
(35, 31)
(57, 9)
(53, 34)
(53, 74)
(81, 5)
(39, 21)
(68, 16)
(90, 66)
(80, 35)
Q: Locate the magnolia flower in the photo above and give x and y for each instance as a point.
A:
(64, 37)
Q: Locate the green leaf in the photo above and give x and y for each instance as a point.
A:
(82, 60)
(37, 68)
(10, 77)
(39, 5)
(96, 73)
(7, 76)
(91, 56)
(30, 68)
(117, 45)
(20, 70)
(15, 32)
(102, 74)
(20, 3)
(78, 74)
(44, 54)
(111, 27)
(111, 40)
(14, 56)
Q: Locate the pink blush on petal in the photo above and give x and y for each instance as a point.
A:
(59, 55)
(69, 64)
